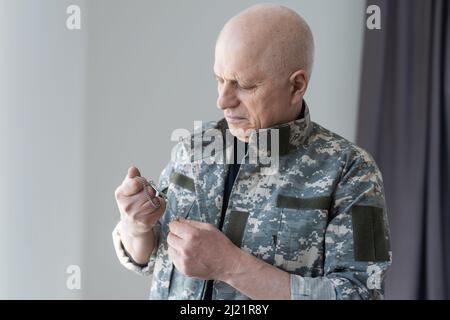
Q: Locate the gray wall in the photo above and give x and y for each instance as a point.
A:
(42, 145)
(77, 108)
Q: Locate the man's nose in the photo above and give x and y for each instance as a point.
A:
(227, 97)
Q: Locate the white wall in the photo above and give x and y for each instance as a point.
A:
(78, 108)
(338, 27)
(42, 88)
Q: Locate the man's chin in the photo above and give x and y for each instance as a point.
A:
(240, 133)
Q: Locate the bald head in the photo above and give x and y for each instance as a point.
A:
(274, 36)
(263, 63)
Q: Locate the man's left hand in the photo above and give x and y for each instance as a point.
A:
(200, 250)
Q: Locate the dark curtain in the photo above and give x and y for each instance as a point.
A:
(404, 122)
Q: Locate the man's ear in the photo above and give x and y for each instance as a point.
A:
(299, 83)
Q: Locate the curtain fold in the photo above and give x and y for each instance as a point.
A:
(404, 122)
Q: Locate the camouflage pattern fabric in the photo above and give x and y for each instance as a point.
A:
(320, 216)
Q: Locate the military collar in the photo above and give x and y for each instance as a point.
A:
(292, 135)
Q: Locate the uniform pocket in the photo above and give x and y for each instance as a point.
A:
(301, 234)
(181, 195)
(180, 204)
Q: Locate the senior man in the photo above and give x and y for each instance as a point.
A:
(316, 228)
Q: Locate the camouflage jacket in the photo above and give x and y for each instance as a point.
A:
(320, 216)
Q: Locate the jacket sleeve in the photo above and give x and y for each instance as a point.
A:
(124, 258)
(357, 248)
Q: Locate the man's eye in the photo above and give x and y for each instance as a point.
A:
(245, 87)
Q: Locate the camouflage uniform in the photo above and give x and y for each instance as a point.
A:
(321, 217)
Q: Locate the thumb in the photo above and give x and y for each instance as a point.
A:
(133, 172)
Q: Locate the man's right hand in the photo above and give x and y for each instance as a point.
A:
(137, 216)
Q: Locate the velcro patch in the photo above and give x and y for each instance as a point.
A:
(369, 234)
(182, 181)
(322, 203)
(236, 226)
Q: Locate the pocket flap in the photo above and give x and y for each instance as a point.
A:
(182, 181)
(322, 203)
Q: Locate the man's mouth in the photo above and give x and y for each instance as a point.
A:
(235, 119)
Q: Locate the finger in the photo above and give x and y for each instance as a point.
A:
(136, 200)
(133, 172)
(151, 191)
(180, 229)
(162, 204)
(126, 187)
(196, 224)
(175, 242)
(142, 195)
(147, 208)
(131, 187)
(173, 254)
(149, 195)
(146, 203)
